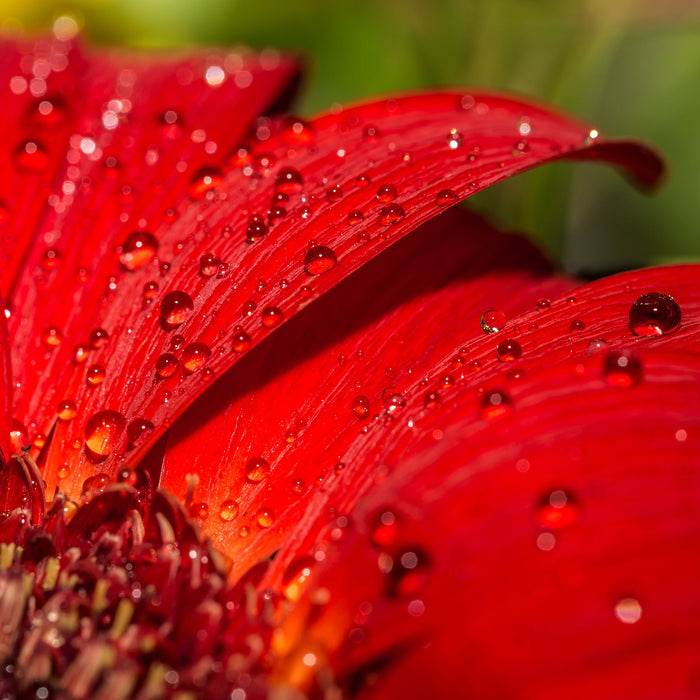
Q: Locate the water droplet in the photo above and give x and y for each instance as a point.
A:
(205, 180)
(177, 341)
(597, 347)
(51, 259)
(319, 259)
(102, 432)
(241, 340)
(409, 573)
(195, 356)
(175, 308)
(52, 337)
(571, 301)
(275, 214)
(288, 180)
(150, 289)
(370, 134)
(557, 510)
(198, 511)
(166, 365)
(138, 250)
(256, 469)
(495, 404)
(360, 407)
(492, 321)
(628, 611)
(362, 180)
(98, 338)
(391, 214)
(66, 410)
(139, 431)
(432, 401)
(454, 139)
(355, 217)
(654, 313)
(296, 576)
(577, 325)
(392, 399)
(334, 194)
(297, 132)
(271, 317)
(95, 484)
(445, 197)
(95, 375)
(543, 304)
(31, 156)
(265, 517)
(208, 265)
(384, 529)
(229, 510)
(255, 231)
(386, 193)
(509, 350)
(622, 369)
(80, 354)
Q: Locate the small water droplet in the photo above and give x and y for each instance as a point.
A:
(198, 511)
(51, 259)
(334, 194)
(80, 354)
(445, 197)
(208, 265)
(195, 356)
(150, 289)
(205, 180)
(370, 133)
(139, 431)
(557, 510)
(31, 156)
(543, 304)
(102, 432)
(319, 259)
(360, 407)
(175, 308)
(355, 217)
(66, 410)
(654, 313)
(386, 193)
(166, 365)
(98, 338)
(432, 401)
(95, 375)
(384, 529)
(256, 469)
(138, 250)
(492, 321)
(391, 214)
(577, 325)
(229, 510)
(52, 337)
(288, 180)
(495, 404)
(628, 611)
(362, 180)
(392, 399)
(509, 350)
(622, 369)
(255, 231)
(271, 316)
(297, 132)
(241, 340)
(276, 214)
(265, 517)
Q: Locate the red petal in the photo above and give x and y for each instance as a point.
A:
(291, 402)
(5, 392)
(484, 588)
(420, 145)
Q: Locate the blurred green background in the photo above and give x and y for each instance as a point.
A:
(630, 66)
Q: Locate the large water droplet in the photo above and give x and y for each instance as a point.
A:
(319, 259)
(138, 250)
(256, 469)
(204, 180)
(386, 193)
(229, 510)
(655, 313)
(66, 410)
(334, 193)
(409, 573)
(195, 356)
(622, 369)
(288, 180)
(241, 340)
(102, 431)
(265, 517)
(391, 214)
(493, 321)
(95, 375)
(509, 350)
(175, 308)
(271, 317)
(166, 365)
(255, 231)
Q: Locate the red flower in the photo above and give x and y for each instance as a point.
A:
(455, 472)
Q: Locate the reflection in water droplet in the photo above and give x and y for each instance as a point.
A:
(495, 404)
(255, 231)
(384, 529)
(256, 469)
(319, 259)
(195, 356)
(509, 350)
(138, 250)
(229, 510)
(445, 197)
(166, 365)
(577, 325)
(66, 410)
(102, 431)
(386, 193)
(52, 337)
(139, 431)
(95, 375)
(288, 180)
(493, 321)
(622, 369)
(360, 407)
(392, 399)
(628, 611)
(557, 510)
(334, 194)
(98, 338)
(355, 217)
(265, 517)
(271, 317)
(241, 340)
(654, 313)
(391, 214)
(543, 304)
(175, 308)
(204, 180)
(208, 265)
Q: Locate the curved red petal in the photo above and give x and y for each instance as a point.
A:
(268, 441)
(545, 553)
(419, 155)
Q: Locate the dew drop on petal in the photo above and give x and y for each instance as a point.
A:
(208, 265)
(557, 510)
(265, 517)
(597, 347)
(622, 369)
(138, 431)
(241, 340)
(386, 193)
(80, 354)
(98, 338)
(175, 308)
(166, 365)
(255, 231)
(384, 529)
(334, 194)
(288, 180)
(360, 407)
(543, 304)
(654, 313)
(296, 577)
(432, 401)
(492, 320)
(52, 337)
(454, 139)
(195, 356)
(577, 325)
(445, 197)
(204, 180)
(319, 259)
(138, 250)
(229, 510)
(66, 410)
(409, 574)
(95, 375)
(256, 469)
(102, 431)
(392, 399)
(355, 217)
(495, 404)
(362, 180)
(509, 350)
(298, 132)
(31, 156)
(628, 611)
(391, 214)
(150, 289)
(271, 316)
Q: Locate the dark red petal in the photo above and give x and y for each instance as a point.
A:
(5, 391)
(484, 585)
(416, 148)
(274, 433)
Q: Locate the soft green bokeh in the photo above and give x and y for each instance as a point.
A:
(630, 66)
